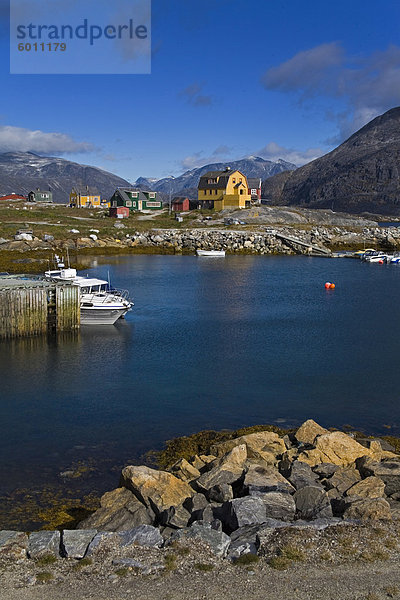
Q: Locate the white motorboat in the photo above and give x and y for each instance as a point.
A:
(375, 257)
(210, 252)
(100, 303)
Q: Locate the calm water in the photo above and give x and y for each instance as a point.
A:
(211, 343)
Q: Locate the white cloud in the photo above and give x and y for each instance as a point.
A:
(367, 85)
(19, 139)
(193, 95)
(273, 151)
(199, 159)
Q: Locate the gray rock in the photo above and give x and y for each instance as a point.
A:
(301, 476)
(343, 479)
(312, 503)
(220, 493)
(243, 511)
(279, 506)
(144, 535)
(44, 542)
(197, 502)
(100, 540)
(388, 470)
(217, 541)
(175, 516)
(75, 542)
(13, 544)
(263, 479)
(243, 541)
(325, 470)
(207, 514)
(131, 563)
(367, 509)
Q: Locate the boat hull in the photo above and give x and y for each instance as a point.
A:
(210, 253)
(101, 316)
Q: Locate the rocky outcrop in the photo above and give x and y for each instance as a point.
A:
(362, 174)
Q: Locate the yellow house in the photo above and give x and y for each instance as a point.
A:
(223, 189)
(84, 197)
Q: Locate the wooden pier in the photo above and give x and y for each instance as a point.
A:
(293, 242)
(35, 305)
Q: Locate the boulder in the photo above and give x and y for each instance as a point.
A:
(75, 542)
(301, 476)
(217, 541)
(42, 543)
(156, 489)
(243, 541)
(263, 445)
(325, 470)
(312, 503)
(220, 493)
(13, 544)
(371, 487)
(119, 510)
(208, 514)
(279, 506)
(184, 470)
(343, 479)
(144, 535)
(175, 516)
(387, 470)
(337, 448)
(243, 511)
(101, 540)
(227, 469)
(196, 502)
(198, 463)
(262, 479)
(367, 509)
(307, 432)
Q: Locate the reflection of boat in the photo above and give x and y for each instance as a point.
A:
(100, 303)
(210, 252)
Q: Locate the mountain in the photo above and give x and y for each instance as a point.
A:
(186, 184)
(21, 172)
(360, 175)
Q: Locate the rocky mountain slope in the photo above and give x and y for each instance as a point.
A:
(21, 172)
(362, 174)
(186, 184)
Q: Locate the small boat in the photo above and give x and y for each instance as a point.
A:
(210, 253)
(100, 304)
(376, 256)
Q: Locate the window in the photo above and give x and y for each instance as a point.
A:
(153, 204)
(234, 180)
(128, 203)
(134, 194)
(152, 195)
(241, 190)
(114, 203)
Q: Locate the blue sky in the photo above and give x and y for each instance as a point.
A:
(286, 79)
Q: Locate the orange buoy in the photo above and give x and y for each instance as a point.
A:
(328, 285)
(332, 286)
(381, 262)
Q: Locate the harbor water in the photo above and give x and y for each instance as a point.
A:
(210, 344)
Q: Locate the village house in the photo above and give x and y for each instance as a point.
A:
(84, 197)
(135, 199)
(254, 188)
(40, 196)
(180, 204)
(223, 189)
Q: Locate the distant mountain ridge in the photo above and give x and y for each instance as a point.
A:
(186, 184)
(360, 175)
(21, 172)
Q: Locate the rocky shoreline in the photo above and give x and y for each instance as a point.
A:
(259, 501)
(266, 240)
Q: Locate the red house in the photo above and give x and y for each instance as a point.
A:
(13, 197)
(180, 204)
(119, 212)
(254, 188)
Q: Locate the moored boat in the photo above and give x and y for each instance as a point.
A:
(100, 304)
(210, 252)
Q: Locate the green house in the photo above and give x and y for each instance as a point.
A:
(40, 196)
(135, 199)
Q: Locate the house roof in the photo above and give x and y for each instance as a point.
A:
(254, 182)
(221, 176)
(86, 190)
(179, 199)
(123, 193)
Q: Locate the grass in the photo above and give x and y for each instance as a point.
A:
(170, 562)
(374, 555)
(122, 571)
(392, 591)
(44, 576)
(47, 559)
(204, 567)
(280, 563)
(292, 553)
(247, 559)
(83, 562)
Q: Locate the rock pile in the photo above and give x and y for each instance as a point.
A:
(236, 498)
